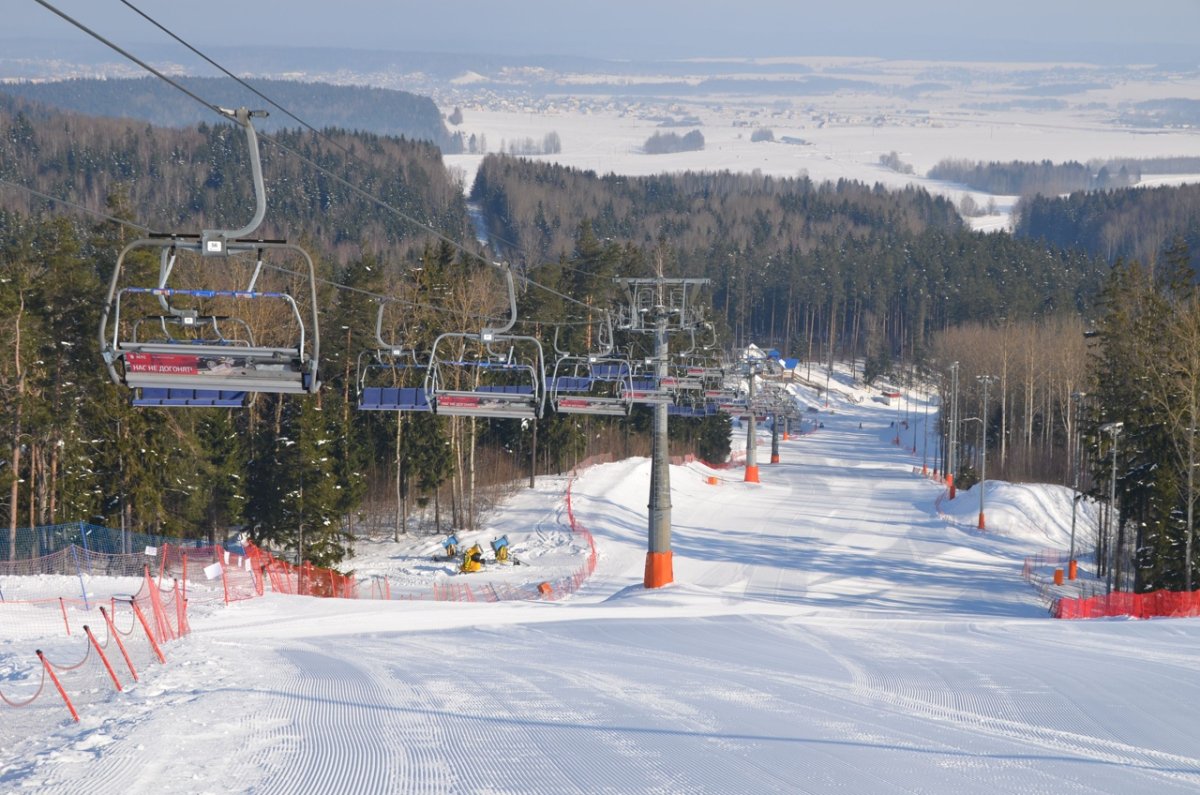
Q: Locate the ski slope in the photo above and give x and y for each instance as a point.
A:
(829, 630)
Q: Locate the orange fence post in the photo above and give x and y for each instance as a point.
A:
(112, 633)
(58, 685)
(180, 612)
(63, 605)
(137, 611)
(103, 659)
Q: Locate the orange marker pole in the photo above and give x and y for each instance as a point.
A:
(103, 659)
(58, 685)
(112, 633)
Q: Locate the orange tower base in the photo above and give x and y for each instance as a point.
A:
(774, 459)
(950, 484)
(751, 474)
(658, 569)
(982, 525)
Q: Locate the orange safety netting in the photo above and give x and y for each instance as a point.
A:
(72, 654)
(303, 580)
(1155, 604)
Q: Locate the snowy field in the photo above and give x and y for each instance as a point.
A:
(924, 111)
(828, 631)
(609, 141)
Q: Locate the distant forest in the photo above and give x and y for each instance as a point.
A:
(1023, 179)
(1116, 224)
(836, 269)
(179, 180)
(377, 110)
(1019, 178)
(667, 143)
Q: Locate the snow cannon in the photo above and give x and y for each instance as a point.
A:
(472, 560)
(500, 548)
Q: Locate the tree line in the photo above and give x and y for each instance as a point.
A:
(185, 180)
(842, 269)
(1018, 178)
(1115, 224)
(382, 111)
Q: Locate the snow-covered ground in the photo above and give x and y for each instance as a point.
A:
(839, 627)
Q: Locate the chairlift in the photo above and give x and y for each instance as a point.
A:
(482, 379)
(391, 377)
(596, 383)
(190, 359)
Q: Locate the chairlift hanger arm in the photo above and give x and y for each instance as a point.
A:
(486, 334)
(215, 241)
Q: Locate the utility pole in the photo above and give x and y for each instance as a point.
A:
(924, 436)
(1072, 567)
(660, 306)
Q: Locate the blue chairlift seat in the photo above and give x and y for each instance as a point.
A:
(382, 398)
(618, 371)
(165, 396)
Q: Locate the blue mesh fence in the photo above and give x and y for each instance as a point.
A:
(36, 542)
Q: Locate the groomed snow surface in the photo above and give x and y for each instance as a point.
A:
(829, 630)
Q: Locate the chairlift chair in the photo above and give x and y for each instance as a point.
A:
(495, 382)
(391, 377)
(596, 383)
(200, 365)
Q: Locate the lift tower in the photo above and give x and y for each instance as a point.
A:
(661, 307)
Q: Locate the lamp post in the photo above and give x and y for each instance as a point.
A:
(986, 380)
(896, 440)
(925, 437)
(952, 453)
(828, 372)
(1113, 429)
(1071, 566)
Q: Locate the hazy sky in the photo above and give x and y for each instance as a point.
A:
(1111, 30)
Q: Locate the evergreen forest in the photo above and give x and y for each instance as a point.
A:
(1079, 337)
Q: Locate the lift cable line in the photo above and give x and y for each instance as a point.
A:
(73, 205)
(287, 271)
(337, 178)
(266, 98)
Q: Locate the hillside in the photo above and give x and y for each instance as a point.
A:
(182, 179)
(374, 110)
